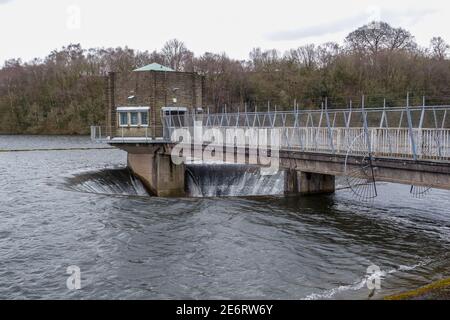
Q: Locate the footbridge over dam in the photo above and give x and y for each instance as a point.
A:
(408, 145)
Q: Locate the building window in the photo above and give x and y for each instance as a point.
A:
(123, 119)
(134, 119)
(133, 116)
(144, 118)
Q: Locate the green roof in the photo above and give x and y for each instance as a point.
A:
(154, 67)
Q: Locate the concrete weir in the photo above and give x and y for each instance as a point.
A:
(307, 173)
(153, 165)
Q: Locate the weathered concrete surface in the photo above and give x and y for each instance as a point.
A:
(305, 183)
(157, 171)
(404, 171)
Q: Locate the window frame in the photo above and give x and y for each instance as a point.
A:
(130, 111)
(145, 125)
(130, 117)
(123, 125)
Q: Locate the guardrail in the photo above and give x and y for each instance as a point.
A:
(430, 144)
(421, 132)
(107, 134)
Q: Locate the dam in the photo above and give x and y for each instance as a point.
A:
(162, 125)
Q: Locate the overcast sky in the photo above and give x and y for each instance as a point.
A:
(32, 28)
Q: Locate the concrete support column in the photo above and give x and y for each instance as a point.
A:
(304, 183)
(158, 173)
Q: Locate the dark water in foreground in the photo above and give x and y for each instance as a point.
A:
(63, 208)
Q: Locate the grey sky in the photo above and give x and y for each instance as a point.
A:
(33, 28)
(349, 23)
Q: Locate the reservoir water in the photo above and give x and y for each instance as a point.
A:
(75, 206)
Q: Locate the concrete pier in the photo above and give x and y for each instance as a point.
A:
(158, 173)
(306, 183)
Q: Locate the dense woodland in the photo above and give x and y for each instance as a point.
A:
(63, 93)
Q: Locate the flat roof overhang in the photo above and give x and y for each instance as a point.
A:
(133, 109)
(174, 109)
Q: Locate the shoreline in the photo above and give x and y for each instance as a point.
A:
(438, 290)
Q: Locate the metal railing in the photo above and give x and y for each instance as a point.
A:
(431, 144)
(413, 132)
(108, 134)
(437, 117)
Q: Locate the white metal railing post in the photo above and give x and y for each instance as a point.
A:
(410, 129)
(439, 135)
(330, 133)
(366, 126)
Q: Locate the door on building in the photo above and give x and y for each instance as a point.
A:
(172, 118)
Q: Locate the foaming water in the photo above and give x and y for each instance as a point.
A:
(202, 180)
(362, 283)
(108, 182)
(230, 180)
(65, 208)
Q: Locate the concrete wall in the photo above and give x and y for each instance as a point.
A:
(419, 173)
(305, 183)
(160, 176)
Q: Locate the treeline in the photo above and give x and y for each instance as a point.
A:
(63, 93)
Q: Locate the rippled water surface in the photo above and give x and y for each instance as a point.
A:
(80, 207)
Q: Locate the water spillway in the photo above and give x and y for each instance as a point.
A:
(202, 180)
(108, 181)
(231, 180)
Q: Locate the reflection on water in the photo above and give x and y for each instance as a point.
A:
(67, 208)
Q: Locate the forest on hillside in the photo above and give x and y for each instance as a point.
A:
(63, 92)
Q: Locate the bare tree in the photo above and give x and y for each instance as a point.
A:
(326, 53)
(304, 56)
(439, 48)
(377, 36)
(64, 91)
(399, 38)
(176, 55)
